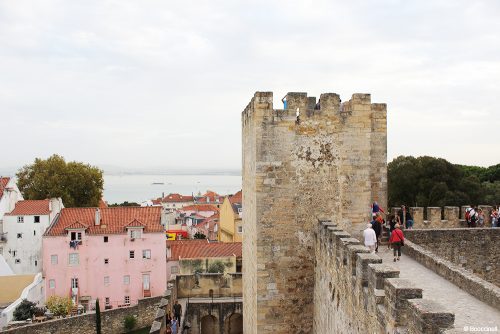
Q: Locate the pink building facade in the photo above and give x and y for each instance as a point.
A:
(115, 254)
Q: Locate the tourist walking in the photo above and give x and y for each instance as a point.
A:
(480, 218)
(177, 311)
(376, 224)
(370, 238)
(173, 326)
(397, 240)
(494, 218)
(376, 209)
(404, 218)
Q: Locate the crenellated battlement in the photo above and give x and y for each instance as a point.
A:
(355, 292)
(329, 105)
(443, 217)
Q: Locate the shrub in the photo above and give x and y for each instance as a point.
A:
(130, 321)
(24, 310)
(216, 267)
(59, 305)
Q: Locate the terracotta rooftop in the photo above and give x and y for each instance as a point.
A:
(200, 207)
(31, 207)
(113, 220)
(236, 198)
(195, 250)
(3, 183)
(176, 198)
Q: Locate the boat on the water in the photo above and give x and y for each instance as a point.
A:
(157, 183)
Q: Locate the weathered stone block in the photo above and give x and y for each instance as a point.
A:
(427, 316)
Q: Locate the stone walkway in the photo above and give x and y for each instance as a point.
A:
(469, 311)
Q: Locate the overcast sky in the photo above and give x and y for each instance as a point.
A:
(163, 83)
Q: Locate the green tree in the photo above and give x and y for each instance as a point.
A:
(24, 310)
(199, 235)
(59, 305)
(129, 322)
(125, 204)
(78, 184)
(97, 317)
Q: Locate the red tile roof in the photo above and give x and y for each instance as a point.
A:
(176, 198)
(3, 183)
(200, 207)
(204, 249)
(113, 220)
(236, 198)
(103, 203)
(30, 207)
(213, 197)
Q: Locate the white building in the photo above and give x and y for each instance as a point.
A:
(23, 228)
(9, 195)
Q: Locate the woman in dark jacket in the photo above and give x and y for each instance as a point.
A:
(397, 240)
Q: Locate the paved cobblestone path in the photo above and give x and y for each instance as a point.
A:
(469, 311)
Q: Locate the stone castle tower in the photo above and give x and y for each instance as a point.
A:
(329, 163)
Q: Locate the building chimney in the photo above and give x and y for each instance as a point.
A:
(97, 217)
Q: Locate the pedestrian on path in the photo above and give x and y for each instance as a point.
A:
(370, 238)
(376, 224)
(397, 241)
(173, 326)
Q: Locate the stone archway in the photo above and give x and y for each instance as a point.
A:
(209, 325)
(233, 324)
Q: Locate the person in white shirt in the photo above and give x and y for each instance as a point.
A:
(370, 238)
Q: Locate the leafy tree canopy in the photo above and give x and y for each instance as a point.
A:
(78, 184)
(125, 204)
(428, 181)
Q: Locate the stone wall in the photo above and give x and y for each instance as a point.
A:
(112, 321)
(445, 217)
(215, 318)
(356, 293)
(327, 164)
(208, 285)
(473, 249)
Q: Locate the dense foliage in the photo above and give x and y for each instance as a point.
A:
(199, 235)
(26, 310)
(125, 204)
(216, 267)
(129, 322)
(427, 181)
(59, 305)
(76, 183)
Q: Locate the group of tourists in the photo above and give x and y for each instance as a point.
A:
(394, 223)
(475, 217)
(173, 323)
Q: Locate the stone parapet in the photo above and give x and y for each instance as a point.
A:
(448, 253)
(358, 293)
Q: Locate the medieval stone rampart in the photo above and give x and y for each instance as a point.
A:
(444, 217)
(355, 292)
(328, 162)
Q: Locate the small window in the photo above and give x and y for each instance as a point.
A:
(106, 261)
(76, 236)
(146, 254)
(174, 269)
(74, 283)
(19, 235)
(20, 219)
(52, 283)
(240, 229)
(135, 234)
(37, 219)
(36, 263)
(131, 254)
(18, 261)
(14, 253)
(107, 300)
(106, 280)
(34, 232)
(127, 299)
(106, 238)
(126, 279)
(53, 259)
(73, 259)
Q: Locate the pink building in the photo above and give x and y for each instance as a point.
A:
(115, 254)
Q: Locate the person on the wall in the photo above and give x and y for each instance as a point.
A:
(177, 311)
(370, 238)
(376, 224)
(376, 209)
(397, 240)
(404, 218)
